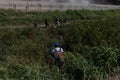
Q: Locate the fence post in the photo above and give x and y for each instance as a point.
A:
(14, 6)
(39, 7)
(27, 7)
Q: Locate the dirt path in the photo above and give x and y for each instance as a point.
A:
(40, 6)
(115, 77)
(43, 25)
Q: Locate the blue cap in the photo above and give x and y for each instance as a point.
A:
(56, 44)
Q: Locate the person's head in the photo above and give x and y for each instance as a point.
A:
(56, 44)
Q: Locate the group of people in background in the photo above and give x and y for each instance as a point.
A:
(57, 22)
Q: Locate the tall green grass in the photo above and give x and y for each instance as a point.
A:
(91, 43)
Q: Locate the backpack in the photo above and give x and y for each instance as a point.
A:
(59, 55)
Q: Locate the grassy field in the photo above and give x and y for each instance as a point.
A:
(91, 42)
(11, 17)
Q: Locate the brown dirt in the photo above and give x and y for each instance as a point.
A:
(115, 76)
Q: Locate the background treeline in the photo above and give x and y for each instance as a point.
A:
(91, 42)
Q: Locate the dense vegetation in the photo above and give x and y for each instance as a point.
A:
(91, 42)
